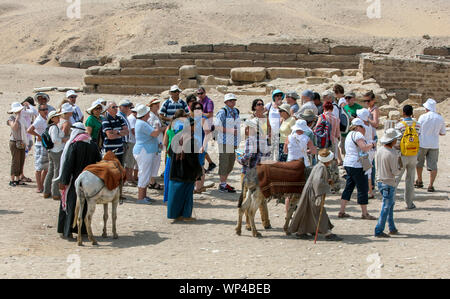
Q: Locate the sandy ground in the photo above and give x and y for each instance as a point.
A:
(32, 30)
(149, 246)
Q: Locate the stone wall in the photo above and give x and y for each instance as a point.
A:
(155, 72)
(428, 78)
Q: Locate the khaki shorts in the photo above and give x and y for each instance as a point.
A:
(128, 158)
(226, 161)
(431, 155)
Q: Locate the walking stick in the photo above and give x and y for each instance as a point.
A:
(322, 203)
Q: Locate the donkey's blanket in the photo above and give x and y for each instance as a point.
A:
(281, 177)
(109, 170)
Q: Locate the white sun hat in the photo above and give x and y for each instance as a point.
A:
(363, 114)
(430, 104)
(70, 93)
(229, 96)
(66, 108)
(141, 110)
(300, 125)
(15, 107)
(390, 135)
(51, 115)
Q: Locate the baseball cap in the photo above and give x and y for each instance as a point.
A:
(125, 102)
(70, 93)
(229, 96)
(174, 88)
(350, 95)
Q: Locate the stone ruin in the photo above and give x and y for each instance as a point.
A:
(254, 69)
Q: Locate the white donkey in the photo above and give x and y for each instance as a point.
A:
(92, 190)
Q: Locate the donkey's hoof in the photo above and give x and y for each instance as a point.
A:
(116, 236)
(257, 235)
(104, 235)
(238, 232)
(248, 228)
(94, 243)
(80, 243)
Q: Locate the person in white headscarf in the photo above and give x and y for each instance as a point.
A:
(79, 152)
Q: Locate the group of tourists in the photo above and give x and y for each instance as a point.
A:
(325, 131)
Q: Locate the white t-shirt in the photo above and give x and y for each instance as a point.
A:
(352, 149)
(56, 134)
(274, 118)
(132, 123)
(39, 124)
(77, 111)
(431, 125)
(297, 147)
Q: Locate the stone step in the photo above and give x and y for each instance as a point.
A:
(125, 89)
(131, 80)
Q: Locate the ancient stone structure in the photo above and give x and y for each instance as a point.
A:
(426, 78)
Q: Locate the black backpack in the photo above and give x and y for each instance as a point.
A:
(47, 142)
(344, 120)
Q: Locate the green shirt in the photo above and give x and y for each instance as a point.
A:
(351, 111)
(96, 125)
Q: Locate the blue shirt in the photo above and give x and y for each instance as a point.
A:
(228, 118)
(169, 107)
(143, 139)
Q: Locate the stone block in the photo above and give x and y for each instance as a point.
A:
(394, 103)
(394, 115)
(248, 74)
(149, 89)
(277, 48)
(150, 56)
(116, 89)
(316, 80)
(285, 73)
(319, 48)
(122, 80)
(437, 51)
(280, 57)
(93, 70)
(232, 63)
(173, 62)
(416, 97)
(197, 48)
(266, 63)
(244, 55)
(153, 71)
(385, 109)
(229, 48)
(168, 80)
(105, 71)
(349, 50)
(327, 58)
(196, 55)
(326, 72)
(136, 63)
(188, 72)
(350, 72)
(187, 83)
(88, 62)
(219, 72)
(69, 62)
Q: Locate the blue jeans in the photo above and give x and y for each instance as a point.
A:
(387, 208)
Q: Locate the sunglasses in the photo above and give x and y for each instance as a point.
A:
(200, 93)
(198, 108)
(98, 108)
(260, 104)
(45, 109)
(114, 107)
(367, 101)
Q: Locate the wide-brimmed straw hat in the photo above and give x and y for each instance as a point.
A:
(307, 115)
(94, 105)
(285, 107)
(154, 101)
(52, 114)
(390, 135)
(15, 107)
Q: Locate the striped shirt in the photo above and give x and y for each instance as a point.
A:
(169, 107)
(113, 123)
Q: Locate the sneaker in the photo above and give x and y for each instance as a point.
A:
(227, 189)
(211, 166)
(393, 232)
(411, 207)
(382, 235)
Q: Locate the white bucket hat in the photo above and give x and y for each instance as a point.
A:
(358, 122)
(66, 108)
(141, 110)
(15, 107)
(390, 135)
(342, 101)
(327, 158)
(300, 125)
(363, 114)
(430, 104)
(229, 96)
(95, 104)
(70, 93)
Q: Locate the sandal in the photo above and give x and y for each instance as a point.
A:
(155, 186)
(418, 184)
(25, 179)
(368, 217)
(12, 183)
(20, 182)
(431, 189)
(343, 215)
